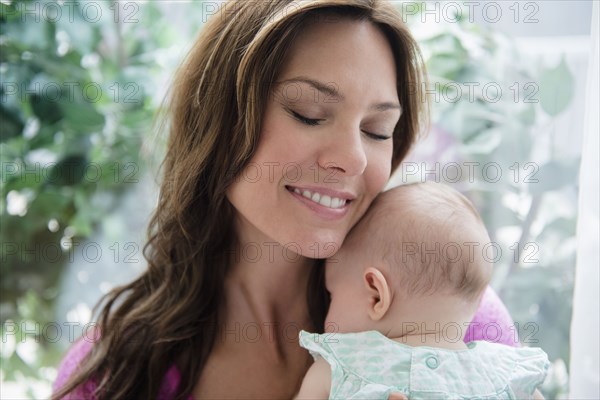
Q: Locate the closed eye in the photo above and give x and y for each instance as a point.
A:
(377, 137)
(304, 120)
(314, 122)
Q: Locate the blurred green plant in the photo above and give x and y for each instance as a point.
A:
(79, 85)
(493, 112)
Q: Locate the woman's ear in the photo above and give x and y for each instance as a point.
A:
(380, 297)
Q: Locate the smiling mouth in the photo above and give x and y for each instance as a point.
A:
(321, 199)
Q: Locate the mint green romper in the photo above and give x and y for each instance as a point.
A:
(368, 365)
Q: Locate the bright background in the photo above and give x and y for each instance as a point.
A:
(81, 84)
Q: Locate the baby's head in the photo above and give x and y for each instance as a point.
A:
(415, 257)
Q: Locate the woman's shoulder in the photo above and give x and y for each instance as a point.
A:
(75, 356)
(70, 363)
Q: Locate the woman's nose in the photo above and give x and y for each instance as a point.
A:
(344, 154)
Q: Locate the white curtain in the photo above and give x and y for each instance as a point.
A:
(585, 333)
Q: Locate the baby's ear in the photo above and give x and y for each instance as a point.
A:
(380, 297)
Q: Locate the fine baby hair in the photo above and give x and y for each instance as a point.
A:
(431, 238)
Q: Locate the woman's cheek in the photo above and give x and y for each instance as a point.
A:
(382, 167)
(378, 172)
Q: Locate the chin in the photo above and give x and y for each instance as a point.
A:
(322, 246)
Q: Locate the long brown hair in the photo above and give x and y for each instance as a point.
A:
(170, 314)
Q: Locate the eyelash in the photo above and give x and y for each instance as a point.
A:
(315, 122)
(307, 121)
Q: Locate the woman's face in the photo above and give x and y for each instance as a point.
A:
(325, 147)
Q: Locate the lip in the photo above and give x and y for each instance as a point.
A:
(329, 214)
(327, 191)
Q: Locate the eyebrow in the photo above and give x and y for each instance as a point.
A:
(331, 91)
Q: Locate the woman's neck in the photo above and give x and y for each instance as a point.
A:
(269, 278)
(265, 302)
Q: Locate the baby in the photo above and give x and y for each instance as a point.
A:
(404, 287)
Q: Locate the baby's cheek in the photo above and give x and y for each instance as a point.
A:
(330, 327)
(340, 318)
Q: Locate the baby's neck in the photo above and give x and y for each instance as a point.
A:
(431, 339)
(437, 320)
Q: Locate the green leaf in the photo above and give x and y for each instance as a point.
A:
(446, 65)
(466, 120)
(10, 124)
(79, 31)
(46, 92)
(9, 12)
(81, 116)
(48, 204)
(557, 86)
(68, 172)
(46, 110)
(484, 142)
(28, 32)
(82, 222)
(449, 57)
(527, 115)
(555, 175)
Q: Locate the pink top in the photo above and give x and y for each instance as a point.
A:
(492, 323)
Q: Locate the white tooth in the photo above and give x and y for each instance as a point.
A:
(316, 197)
(296, 190)
(335, 202)
(325, 201)
(307, 194)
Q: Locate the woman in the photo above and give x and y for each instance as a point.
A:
(287, 119)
